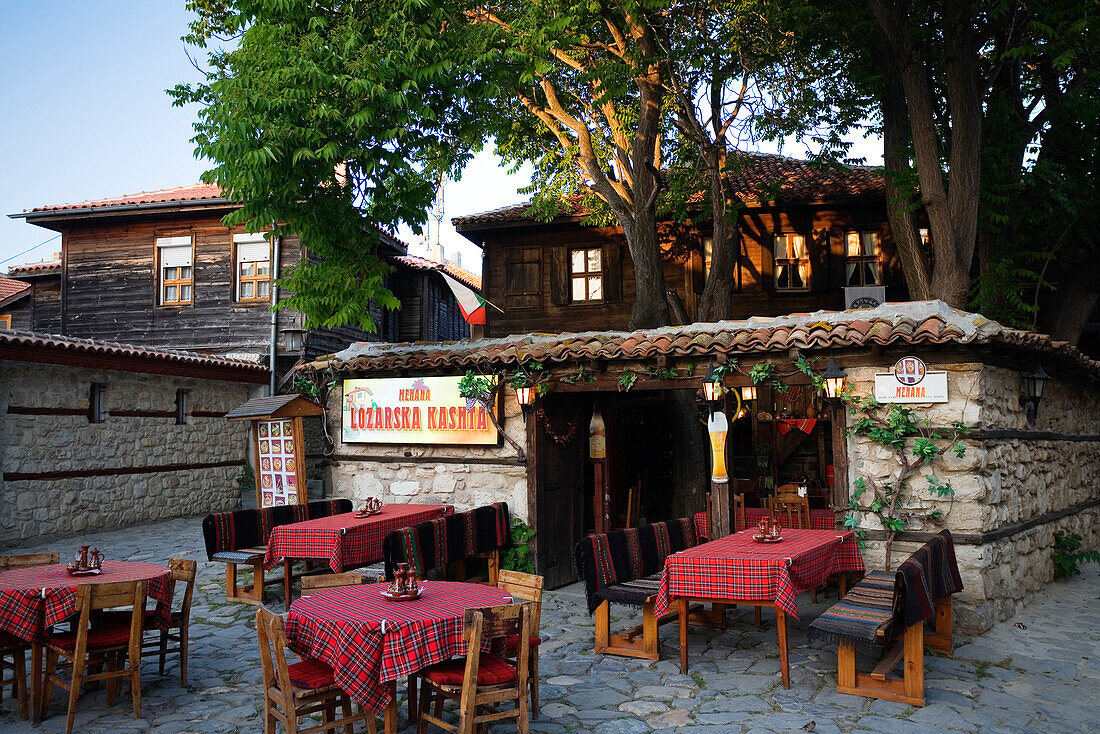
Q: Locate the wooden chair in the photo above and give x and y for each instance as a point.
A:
(116, 647)
(739, 521)
(323, 582)
(179, 625)
(26, 560)
(13, 647)
(633, 506)
(787, 502)
(526, 587)
(302, 688)
(483, 680)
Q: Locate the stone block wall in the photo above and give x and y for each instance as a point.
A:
(52, 444)
(463, 476)
(1031, 485)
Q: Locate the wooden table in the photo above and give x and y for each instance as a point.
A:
(370, 641)
(738, 570)
(342, 541)
(34, 599)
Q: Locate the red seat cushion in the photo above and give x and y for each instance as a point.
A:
(99, 637)
(491, 671)
(512, 643)
(310, 673)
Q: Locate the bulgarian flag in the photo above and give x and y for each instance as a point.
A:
(470, 302)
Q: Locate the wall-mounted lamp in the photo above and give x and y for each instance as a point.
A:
(712, 386)
(834, 380)
(748, 393)
(1031, 392)
(526, 398)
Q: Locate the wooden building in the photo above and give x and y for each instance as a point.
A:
(160, 269)
(38, 307)
(806, 235)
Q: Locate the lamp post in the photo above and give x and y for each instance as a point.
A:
(712, 387)
(718, 510)
(748, 393)
(1031, 392)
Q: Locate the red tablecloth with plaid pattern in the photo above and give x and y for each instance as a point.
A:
(369, 640)
(34, 599)
(345, 541)
(819, 519)
(737, 567)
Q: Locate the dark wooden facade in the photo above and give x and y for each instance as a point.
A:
(526, 265)
(106, 287)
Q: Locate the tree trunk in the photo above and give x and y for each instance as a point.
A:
(714, 303)
(1070, 306)
(915, 264)
(689, 453)
(650, 308)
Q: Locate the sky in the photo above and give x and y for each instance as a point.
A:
(86, 116)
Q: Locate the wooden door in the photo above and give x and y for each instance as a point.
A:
(560, 492)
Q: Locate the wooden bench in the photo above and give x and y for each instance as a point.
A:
(451, 541)
(239, 537)
(624, 567)
(890, 610)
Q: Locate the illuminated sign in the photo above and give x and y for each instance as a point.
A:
(413, 410)
(911, 382)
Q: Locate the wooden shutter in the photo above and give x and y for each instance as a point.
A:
(559, 275)
(613, 273)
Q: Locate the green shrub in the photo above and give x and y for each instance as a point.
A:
(517, 557)
(1068, 553)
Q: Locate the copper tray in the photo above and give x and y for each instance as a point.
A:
(386, 594)
(767, 539)
(74, 571)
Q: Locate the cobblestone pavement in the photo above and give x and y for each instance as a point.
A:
(1041, 678)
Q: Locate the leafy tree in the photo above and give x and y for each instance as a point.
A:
(331, 118)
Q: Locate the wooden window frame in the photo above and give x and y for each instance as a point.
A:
(181, 406)
(587, 275)
(861, 259)
(97, 411)
(239, 280)
(5, 321)
(163, 283)
(792, 262)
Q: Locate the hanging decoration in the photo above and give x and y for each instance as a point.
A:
(560, 439)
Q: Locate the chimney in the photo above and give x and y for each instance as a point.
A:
(435, 253)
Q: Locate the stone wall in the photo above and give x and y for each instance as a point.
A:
(432, 474)
(1000, 483)
(53, 443)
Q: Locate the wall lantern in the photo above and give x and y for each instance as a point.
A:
(834, 380)
(526, 397)
(712, 386)
(748, 393)
(1031, 392)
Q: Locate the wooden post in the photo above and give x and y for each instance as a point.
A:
(601, 495)
(718, 522)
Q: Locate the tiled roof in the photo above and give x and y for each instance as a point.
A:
(193, 192)
(24, 341)
(40, 268)
(920, 322)
(763, 177)
(12, 290)
(458, 273)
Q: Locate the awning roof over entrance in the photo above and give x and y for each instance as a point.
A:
(916, 322)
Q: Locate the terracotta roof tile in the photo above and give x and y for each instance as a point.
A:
(921, 322)
(40, 268)
(114, 349)
(192, 192)
(458, 273)
(12, 290)
(762, 177)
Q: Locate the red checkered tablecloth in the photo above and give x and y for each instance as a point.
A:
(345, 541)
(819, 520)
(737, 567)
(369, 640)
(34, 599)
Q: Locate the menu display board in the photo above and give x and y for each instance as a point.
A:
(414, 410)
(277, 461)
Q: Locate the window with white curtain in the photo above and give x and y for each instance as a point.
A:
(864, 264)
(176, 270)
(792, 263)
(253, 267)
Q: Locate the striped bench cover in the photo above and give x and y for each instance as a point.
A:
(867, 608)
